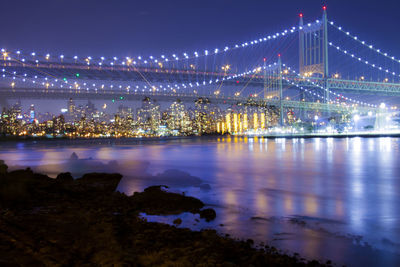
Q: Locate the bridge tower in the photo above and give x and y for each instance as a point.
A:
(313, 50)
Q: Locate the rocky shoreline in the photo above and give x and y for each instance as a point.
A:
(71, 222)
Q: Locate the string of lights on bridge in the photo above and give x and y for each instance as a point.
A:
(366, 62)
(75, 84)
(150, 59)
(364, 43)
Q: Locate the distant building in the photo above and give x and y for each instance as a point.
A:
(149, 116)
(32, 115)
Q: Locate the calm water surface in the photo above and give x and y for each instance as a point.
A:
(324, 198)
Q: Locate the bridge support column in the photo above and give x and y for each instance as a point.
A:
(281, 121)
(325, 54)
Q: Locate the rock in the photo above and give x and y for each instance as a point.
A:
(23, 187)
(74, 156)
(177, 221)
(3, 167)
(105, 182)
(208, 214)
(156, 201)
(297, 221)
(65, 177)
(250, 242)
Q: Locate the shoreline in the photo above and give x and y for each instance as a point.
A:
(309, 136)
(173, 138)
(85, 221)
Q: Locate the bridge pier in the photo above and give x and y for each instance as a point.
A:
(281, 120)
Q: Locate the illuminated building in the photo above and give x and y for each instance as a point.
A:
(32, 113)
(149, 116)
(178, 119)
(71, 106)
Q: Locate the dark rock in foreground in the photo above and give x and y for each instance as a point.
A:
(3, 167)
(208, 214)
(158, 202)
(64, 222)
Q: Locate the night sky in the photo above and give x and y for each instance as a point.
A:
(130, 28)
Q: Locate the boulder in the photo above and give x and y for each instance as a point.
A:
(3, 167)
(65, 177)
(208, 214)
(177, 221)
(154, 200)
(104, 182)
(74, 156)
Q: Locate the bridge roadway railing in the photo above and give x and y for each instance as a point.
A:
(340, 85)
(38, 93)
(160, 74)
(324, 106)
(116, 73)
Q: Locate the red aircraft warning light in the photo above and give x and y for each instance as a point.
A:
(324, 8)
(301, 15)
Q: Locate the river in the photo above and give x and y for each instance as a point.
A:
(324, 198)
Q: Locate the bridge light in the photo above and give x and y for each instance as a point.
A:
(77, 75)
(226, 68)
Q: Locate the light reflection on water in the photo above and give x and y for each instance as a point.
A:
(324, 197)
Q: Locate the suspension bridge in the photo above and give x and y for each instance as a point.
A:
(317, 66)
